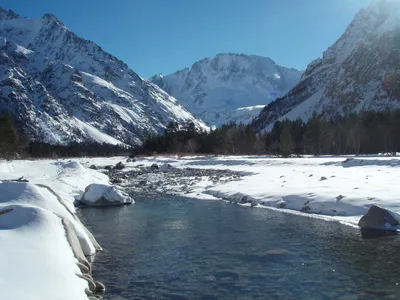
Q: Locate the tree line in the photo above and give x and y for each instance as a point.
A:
(368, 132)
(15, 144)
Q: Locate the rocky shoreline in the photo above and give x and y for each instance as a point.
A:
(166, 178)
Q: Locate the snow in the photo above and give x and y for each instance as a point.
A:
(37, 261)
(348, 78)
(277, 76)
(214, 89)
(23, 50)
(32, 236)
(96, 134)
(70, 90)
(111, 194)
(24, 30)
(105, 84)
(351, 185)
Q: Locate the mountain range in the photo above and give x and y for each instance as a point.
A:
(359, 72)
(64, 89)
(229, 87)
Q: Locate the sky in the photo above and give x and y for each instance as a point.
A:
(163, 36)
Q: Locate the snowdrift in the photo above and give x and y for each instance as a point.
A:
(43, 242)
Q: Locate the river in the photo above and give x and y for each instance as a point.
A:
(168, 247)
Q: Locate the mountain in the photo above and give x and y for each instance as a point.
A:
(65, 89)
(360, 72)
(229, 87)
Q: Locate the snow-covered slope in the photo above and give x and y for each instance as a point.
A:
(361, 71)
(229, 87)
(63, 88)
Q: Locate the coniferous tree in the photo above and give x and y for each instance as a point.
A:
(9, 143)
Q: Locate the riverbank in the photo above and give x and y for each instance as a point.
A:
(335, 188)
(35, 215)
(44, 245)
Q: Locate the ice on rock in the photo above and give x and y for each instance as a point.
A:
(103, 195)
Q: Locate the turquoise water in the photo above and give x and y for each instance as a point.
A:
(178, 248)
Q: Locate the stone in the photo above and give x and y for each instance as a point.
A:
(281, 204)
(131, 159)
(120, 166)
(116, 180)
(109, 167)
(338, 198)
(93, 167)
(100, 288)
(104, 195)
(254, 204)
(378, 218)
(323, 178)
(154, 167)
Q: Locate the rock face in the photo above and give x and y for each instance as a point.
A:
(62, 88)
(361, 71)
(104, 195)
(228, 87)
(378, 218)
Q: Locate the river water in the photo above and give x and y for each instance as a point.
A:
(169, 247)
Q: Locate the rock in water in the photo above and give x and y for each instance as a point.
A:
(100, 288)
(103, 195)
(119, 166)
(378, 218)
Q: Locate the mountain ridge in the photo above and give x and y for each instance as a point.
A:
(67, 89)
(217, 89)
(351, 74)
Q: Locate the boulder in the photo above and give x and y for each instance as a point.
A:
(281, 204)
(100, 288)
(166, 167)
(93, 167)
(119, 166)
(379, 218)
(131, 159)
(103, 195)
(154, 167)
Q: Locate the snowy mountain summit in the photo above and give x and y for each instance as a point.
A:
(360, 72)
(64, 89)
(229, 87)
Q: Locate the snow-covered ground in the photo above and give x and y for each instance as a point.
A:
(36, 253)
(338, 188)
(36, 258)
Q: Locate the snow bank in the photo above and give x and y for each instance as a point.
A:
(29, 194)
(342, 188)
(101, 194)
(42, 239)
(37, 260)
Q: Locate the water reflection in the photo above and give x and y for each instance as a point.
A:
(177, 248)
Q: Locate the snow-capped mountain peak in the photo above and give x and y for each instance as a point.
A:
(63, 88)
(354, 74)
(8, 14)
(215, 89)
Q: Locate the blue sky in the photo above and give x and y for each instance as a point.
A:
(162, 36)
